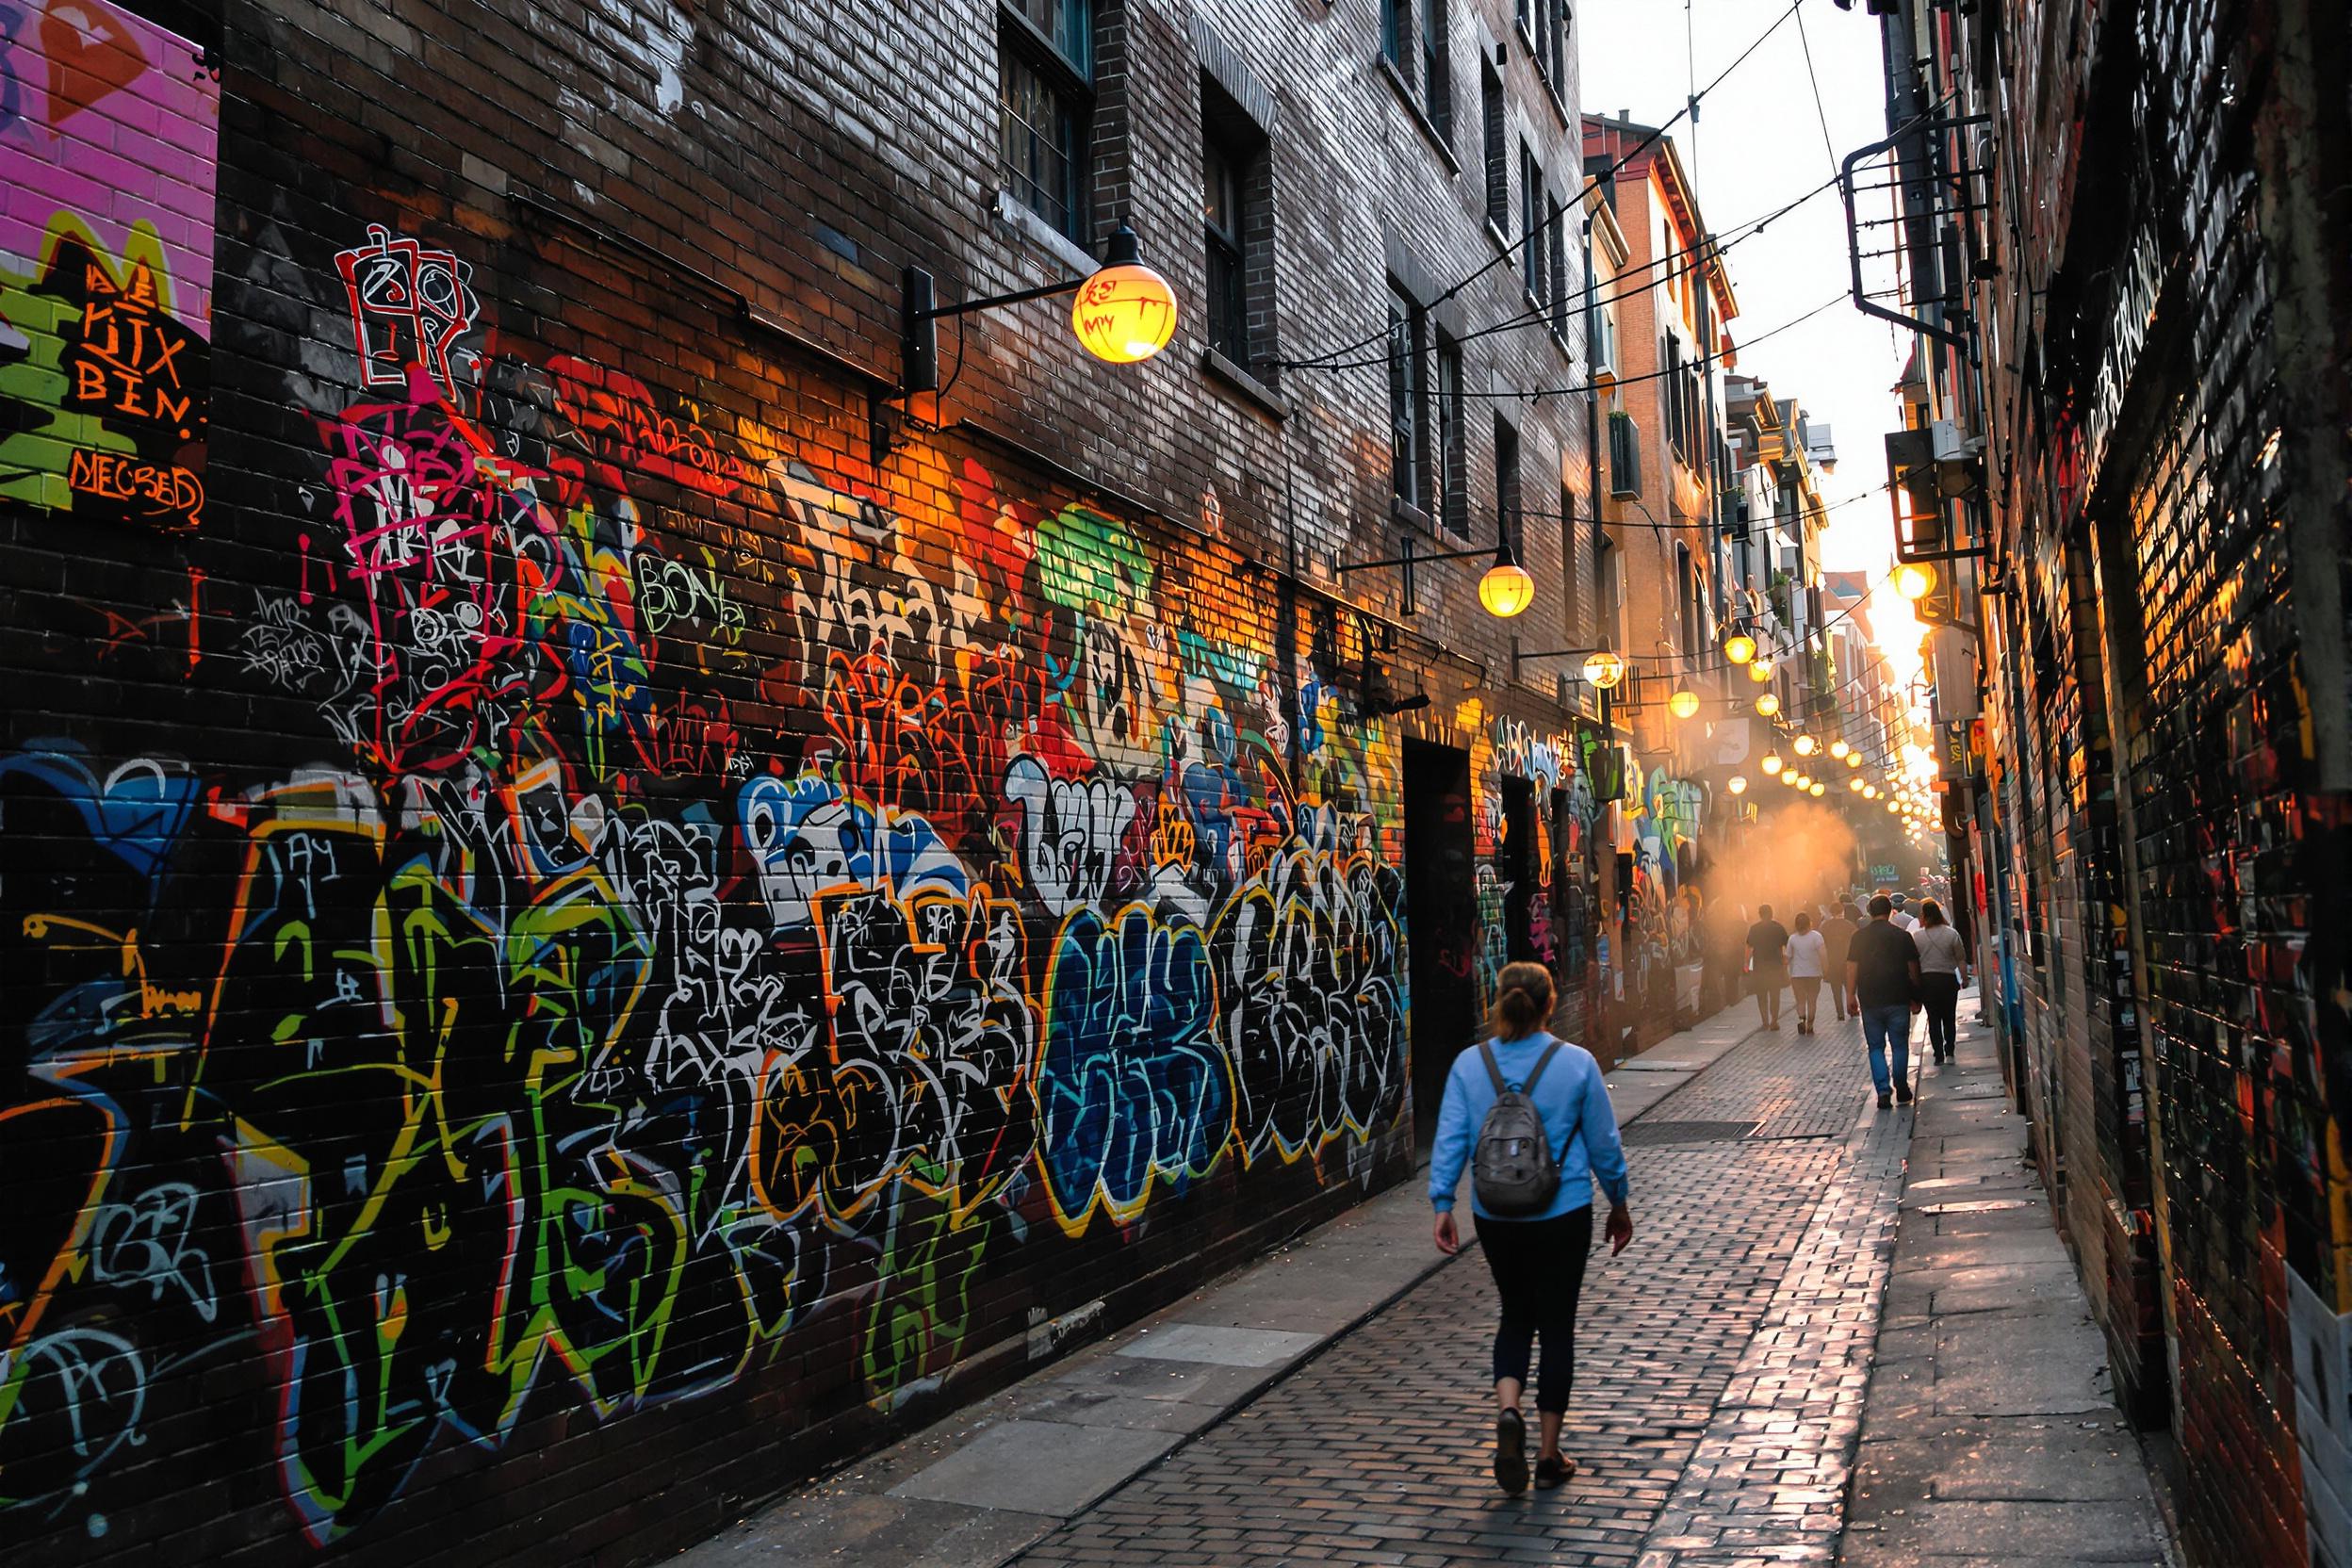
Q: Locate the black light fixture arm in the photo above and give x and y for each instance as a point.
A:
(920, 310)
(1504, 553)
(965, 307)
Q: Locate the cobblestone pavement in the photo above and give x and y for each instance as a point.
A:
(1721, 1362)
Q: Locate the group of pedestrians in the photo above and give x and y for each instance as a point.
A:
(1528, 1116)
(1884, 970)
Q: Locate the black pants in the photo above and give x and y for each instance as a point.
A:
(1940, 994)
(1539, 1272)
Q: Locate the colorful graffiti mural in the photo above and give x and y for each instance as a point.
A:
(726, 899)
(108, 126)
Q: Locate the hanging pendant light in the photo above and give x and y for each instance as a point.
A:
(1505, 589)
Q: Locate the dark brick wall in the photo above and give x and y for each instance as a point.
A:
(2166, 695)
(586, 941)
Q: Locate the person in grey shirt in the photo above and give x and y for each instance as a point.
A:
(1943, 970)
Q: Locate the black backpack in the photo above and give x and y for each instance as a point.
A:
(1511, 1170)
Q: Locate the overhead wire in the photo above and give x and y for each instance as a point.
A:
(1679, 262)
(1534, 230)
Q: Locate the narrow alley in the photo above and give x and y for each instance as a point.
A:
(1737, 1400)
(769, 772)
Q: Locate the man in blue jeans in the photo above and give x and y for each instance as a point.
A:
(1883, 970)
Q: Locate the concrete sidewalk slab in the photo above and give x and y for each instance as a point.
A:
(1047, 1468)
(1989, 1434)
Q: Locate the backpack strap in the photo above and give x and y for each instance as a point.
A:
(1494, 1072)
(1541, 1063)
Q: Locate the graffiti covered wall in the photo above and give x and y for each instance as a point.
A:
(109, 127)
(700, 933)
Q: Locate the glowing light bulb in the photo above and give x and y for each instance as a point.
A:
(1505, 589)
(1806, 745)
(1740, 647)
(1771, 763)
(1125, 312)
(1914, 581)
(1767, 705)
(1605, 670)
(1838, 748)
(1737, 784)
(1683, 704)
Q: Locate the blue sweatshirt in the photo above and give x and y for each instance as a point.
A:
(1577, 1114)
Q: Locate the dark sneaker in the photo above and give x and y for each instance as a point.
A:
(1886, 1102)
(1903, 1094)
(1553, 1471)
(1511, 1452)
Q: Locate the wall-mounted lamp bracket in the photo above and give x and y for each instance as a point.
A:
(920, 313)
(1406, 558)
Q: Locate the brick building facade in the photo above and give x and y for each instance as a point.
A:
(600, 911)
(2153, 362)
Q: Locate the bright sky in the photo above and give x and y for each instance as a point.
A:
(1760, 143)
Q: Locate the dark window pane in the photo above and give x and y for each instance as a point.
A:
(1452, 448)
(1221, 196)
(1068, 25)
(1043, 159)
(1531, 224)
(1436, 75)
(1498, 155)
(1229, 303)
(1404, 397)
(1393, 22)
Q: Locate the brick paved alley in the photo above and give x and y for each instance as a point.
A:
(1720, 1368)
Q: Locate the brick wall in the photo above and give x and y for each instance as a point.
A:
(599, 928)
(2168, 684)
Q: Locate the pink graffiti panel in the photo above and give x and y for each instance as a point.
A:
(108, 126)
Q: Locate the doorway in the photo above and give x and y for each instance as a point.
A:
(1440, 921)
(1515, 867)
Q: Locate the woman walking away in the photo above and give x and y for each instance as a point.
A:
(1808, 957)
(1943, 970)
(1530, 1115)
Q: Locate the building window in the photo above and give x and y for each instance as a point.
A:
(1602, 326)
(1531, 236)
(1453, 461)
(1550, 42)
(1557, 234)
(1624, 455)
(1408, 340)
(1437, 71)
(1395, 18)
(1045, 65)
(1237, 230)
(1497, 154)
(1608, 590)
(1229, 279)
(1572, 540)
(1506, 513)
(1670, 387)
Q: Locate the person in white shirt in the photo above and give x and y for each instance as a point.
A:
(1943, 970)
(1808, 959)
